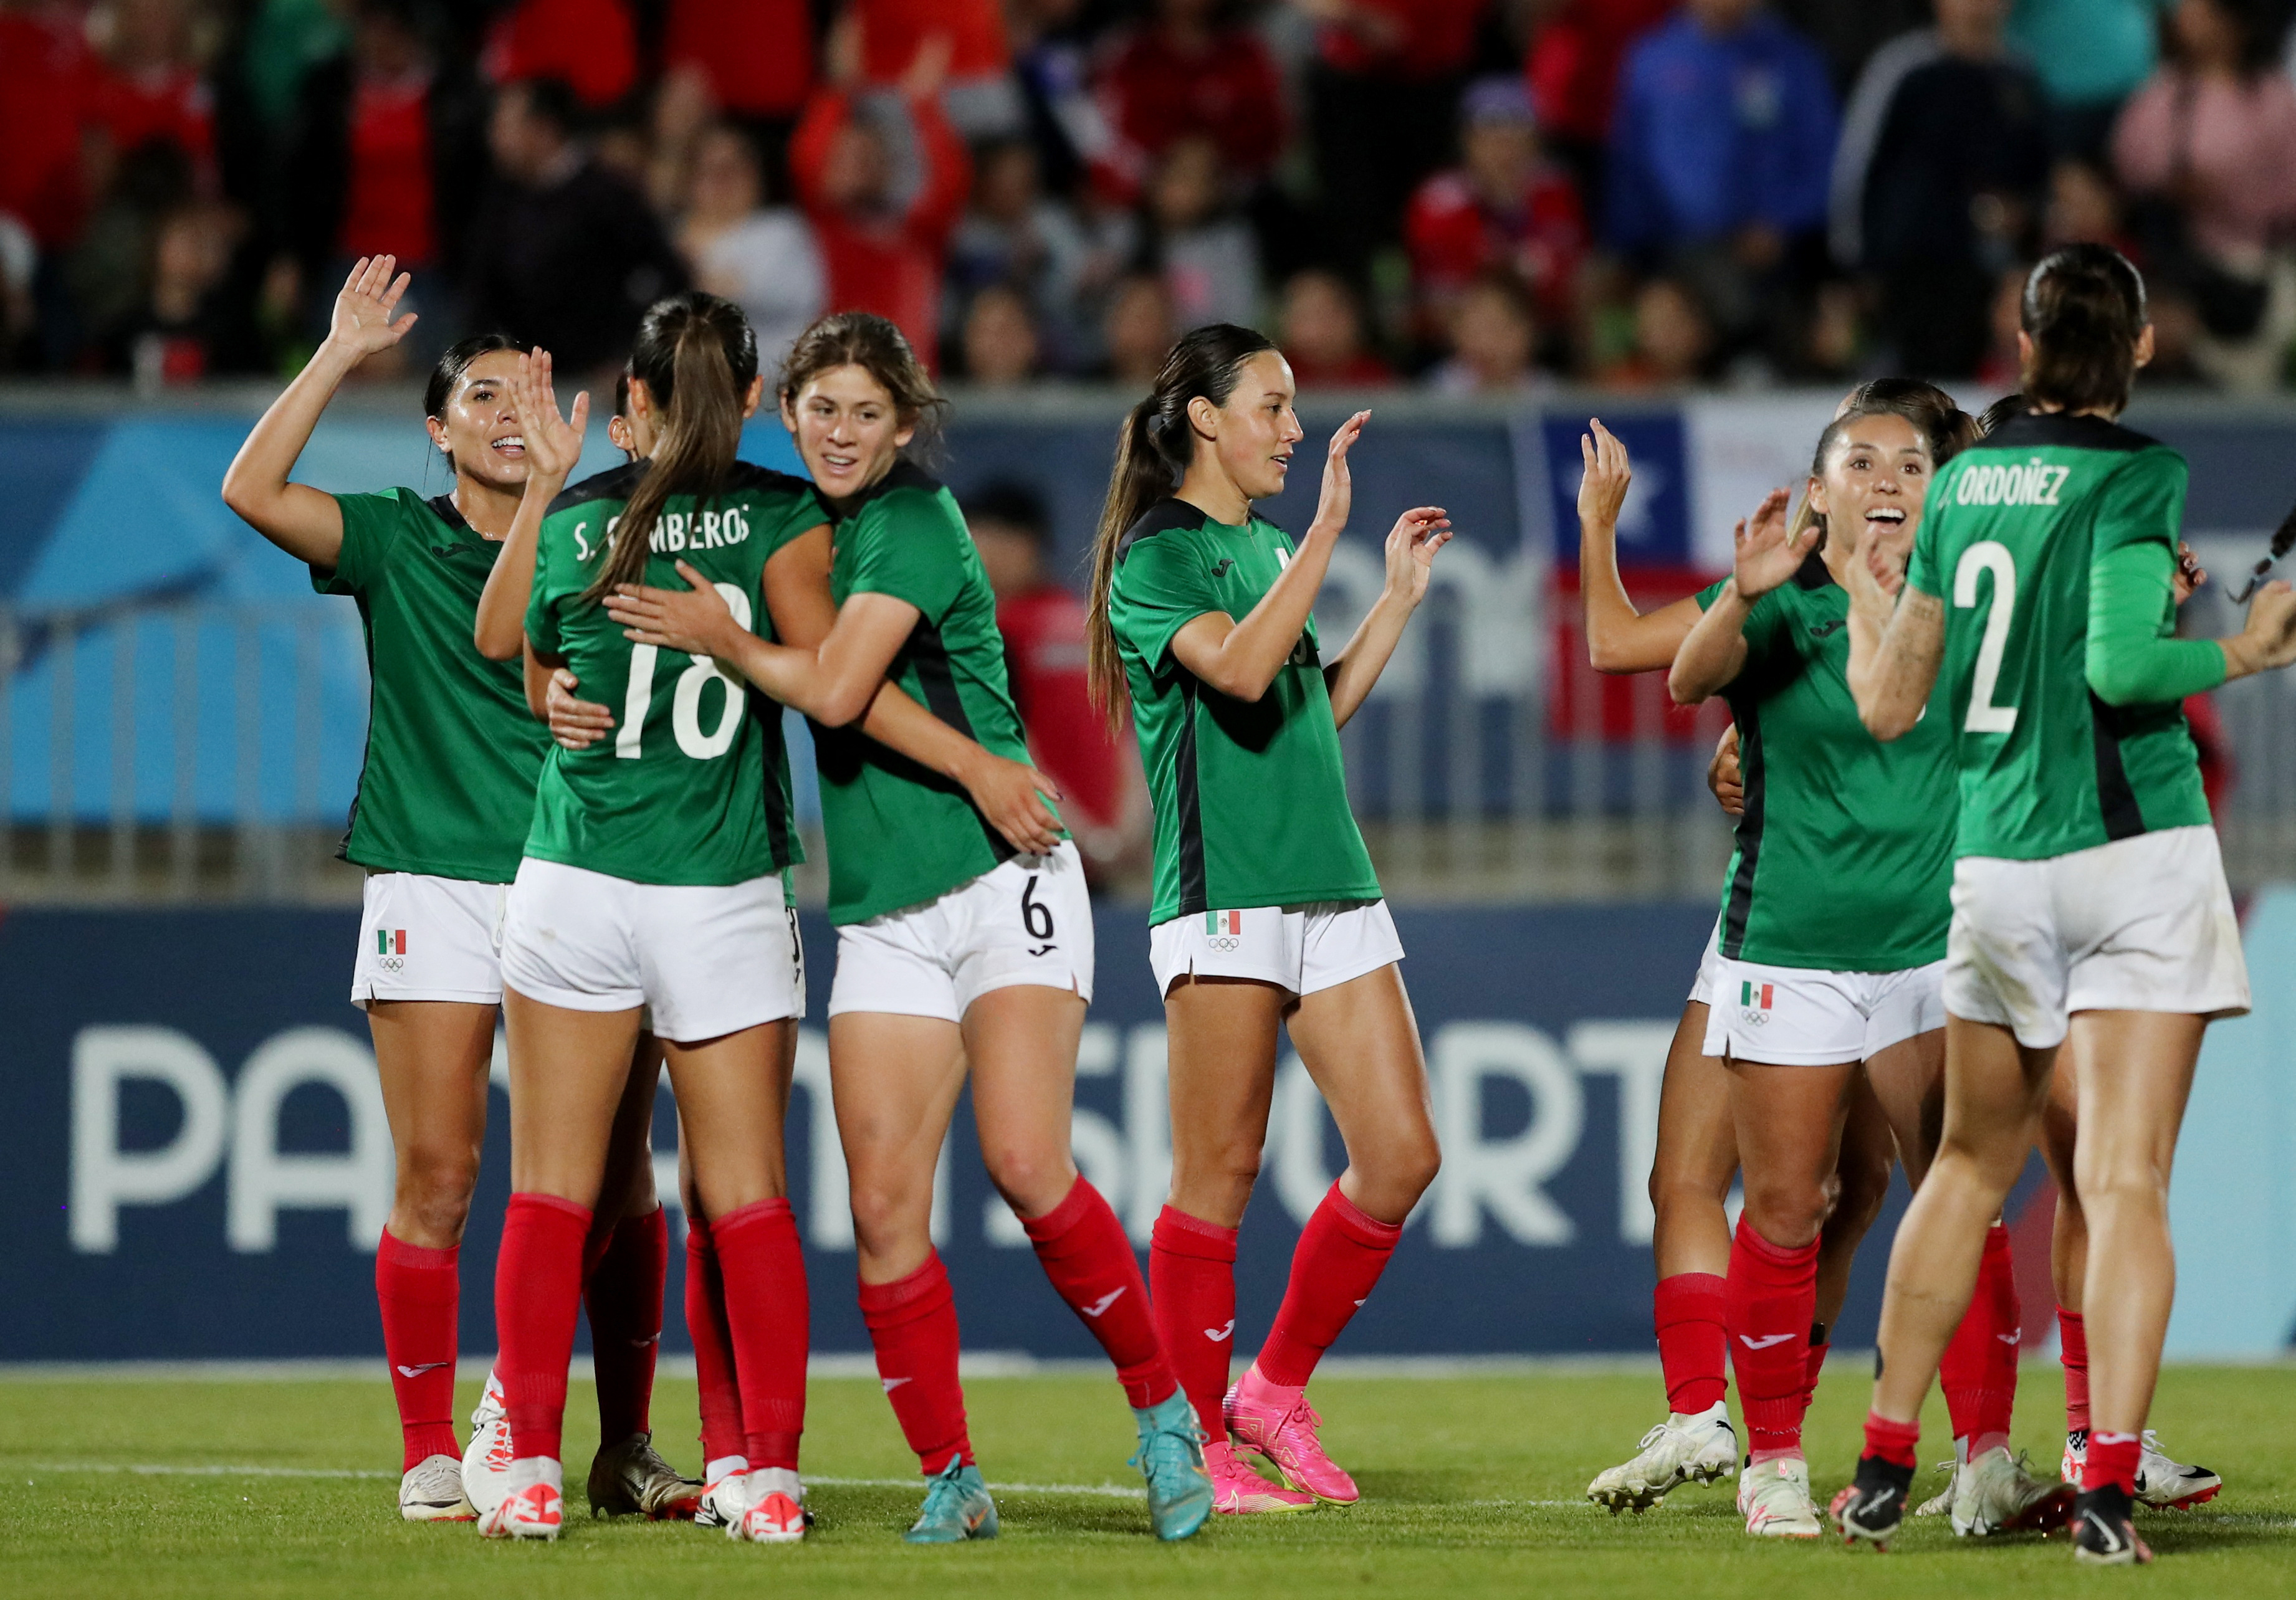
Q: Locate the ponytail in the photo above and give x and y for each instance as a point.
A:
(698, 355)
(1153, 447)
(2084, 311)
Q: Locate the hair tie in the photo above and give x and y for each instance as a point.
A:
(1159, 424)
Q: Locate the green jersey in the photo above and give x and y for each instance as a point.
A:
(900, 833)
(452, 751)
(692, 788)
(1845, 848)
(2012, 526)
(1250, 799)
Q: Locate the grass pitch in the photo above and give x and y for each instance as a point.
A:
(1471, 1485)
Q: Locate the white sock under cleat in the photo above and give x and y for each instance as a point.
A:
(431, 1491)
(2168, 1484)
(1700, 1448)
(534, 1505)
(1997, 1493)
(776, 1508)
(724, 1493)
(1773, 1497)
(486, 1459)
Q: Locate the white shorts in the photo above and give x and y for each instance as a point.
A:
(1709, 967)
(2142, 923)
(424, 938)
(707, 960)
(1807, 1016)
(1301, 948)
(1028, 920)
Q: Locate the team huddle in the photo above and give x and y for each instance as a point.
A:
(1976, 902)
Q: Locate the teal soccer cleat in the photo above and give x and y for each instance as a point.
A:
(1172, 1459)
(957, 1508)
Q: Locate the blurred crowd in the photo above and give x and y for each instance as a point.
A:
(1478, 196)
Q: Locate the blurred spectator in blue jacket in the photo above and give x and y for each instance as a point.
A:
(1719, 162)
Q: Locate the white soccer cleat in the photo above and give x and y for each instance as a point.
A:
(775, 1514)
(1942, 1502)
(2076, 1455)
(535, 1507)
(631, 1479)
(431, 1491)
(725, 1495)
(2168, 1484)
(1701, 1448)
(1773, 1497)
(486, 1459)
(1997, 1493)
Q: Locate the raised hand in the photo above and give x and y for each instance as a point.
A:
(1767, 552)
(2268, 641)
(553, 444)
(1339, 492)
(1602, 491)
(695, 620)
(577, 724)
(364, 323)
(1411, 546)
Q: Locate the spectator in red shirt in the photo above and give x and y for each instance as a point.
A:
(47, 121)
(1503, 205)
(1380, 100)
(1321, 329)
(1190, 71)
(1103, 799)
(745, 62)
(589, 45)
(978, 91)
(1572, 68)
(884, 248)
(149, 88)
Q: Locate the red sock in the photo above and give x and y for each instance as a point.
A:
(1978, 1368)
(1772, 1302)
(1191, 1279)
(1085, 1253)
(713, 1348)
(623, 1295)
(769, 1316)
(1335, 1267)
(2073, 1349)
(1896, 1442)
(1693, 1348)
(420, 1292)
(913, 1324)
(537, 1291)
(2113, 1459)
(1813, 1363)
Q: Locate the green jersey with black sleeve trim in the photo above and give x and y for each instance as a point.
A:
(452, 751)
(2012, 530)
(1844, 859)
(693, 785)
(1251, 797)
(899, 833)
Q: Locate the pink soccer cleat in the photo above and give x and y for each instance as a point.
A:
(1279, 1424)
(1239, 1491)
(775, 1514)
(536, 1511)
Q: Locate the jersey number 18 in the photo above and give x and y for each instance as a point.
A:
(685, 701)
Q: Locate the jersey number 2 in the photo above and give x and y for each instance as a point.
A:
(1987, 555)
(685, 699)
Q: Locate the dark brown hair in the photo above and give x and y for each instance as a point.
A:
(1153, 447)
(447, 377)
(2084, 310)
(1945, 428)
(697, 356)
(860, 339)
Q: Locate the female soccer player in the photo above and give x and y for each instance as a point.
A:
(2089, 899)
(962, 946)
(1833, 937)
(1267, 913)
(444, 800)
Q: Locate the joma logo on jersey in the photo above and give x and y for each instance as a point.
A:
(2034, 483)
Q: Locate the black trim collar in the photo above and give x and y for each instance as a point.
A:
(2036, 430)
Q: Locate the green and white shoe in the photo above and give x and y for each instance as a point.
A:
(957, 1508)
(1172, 1459)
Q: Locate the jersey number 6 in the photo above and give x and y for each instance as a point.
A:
(685, 699)
(1987, 555)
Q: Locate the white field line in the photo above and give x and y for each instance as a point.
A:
(1112, 1492)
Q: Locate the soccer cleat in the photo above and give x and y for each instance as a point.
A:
(537, 1511)
(1773, 1497)
(486, 1460)
(2104, 1535)
(775, 1514)
(1874, 1508)
(629, 1478)
(725, 1497)
(431, 1491)
(2076, 1455)
(1171, 1459)
(1286, 1439)
(1997, 1493)
(1698, 1448)
(1942, 1502)
(1237, 1491)
(2166, 1484)
(957, 1508)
